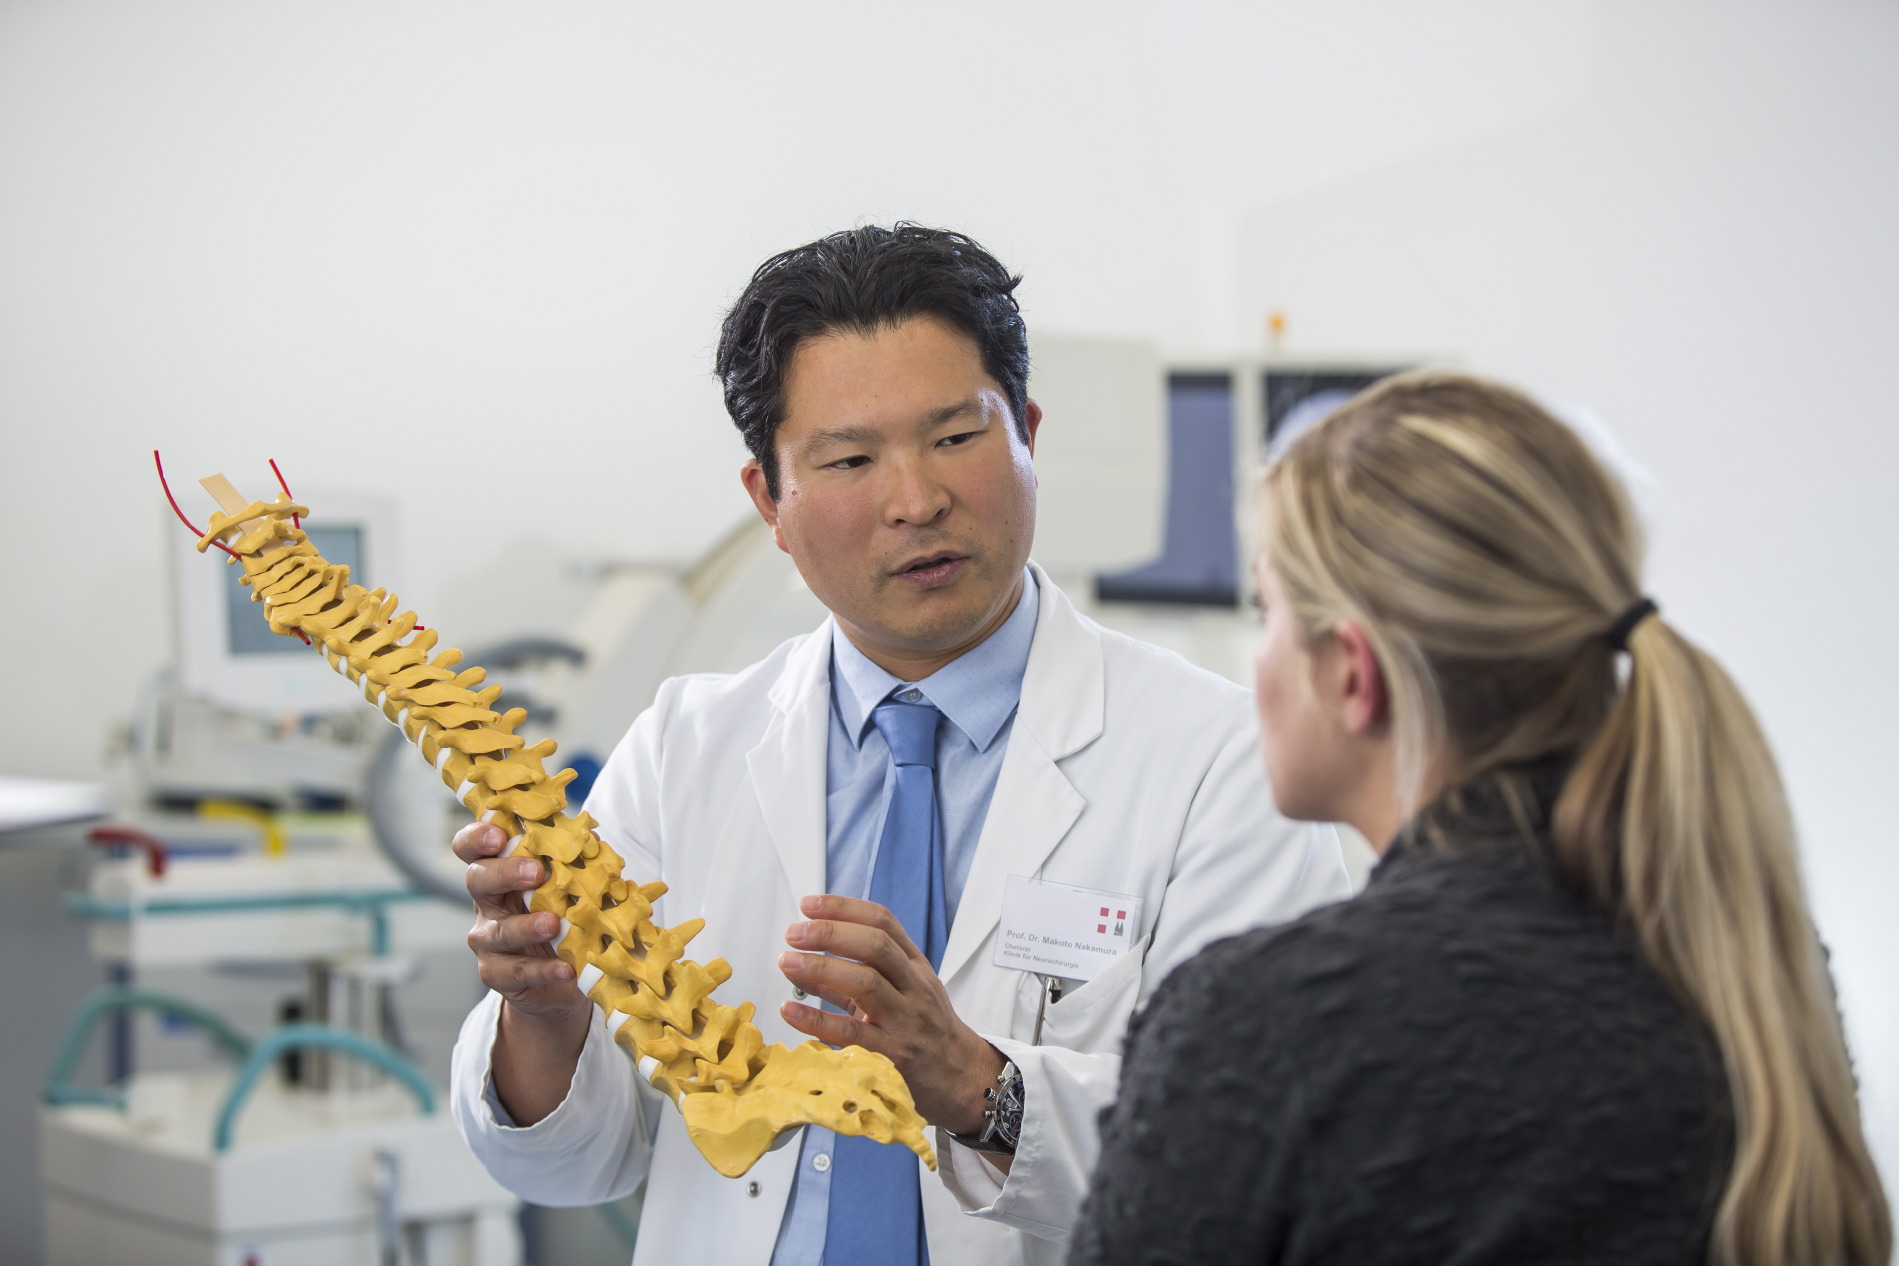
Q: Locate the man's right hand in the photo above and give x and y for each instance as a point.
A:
(544, 1016)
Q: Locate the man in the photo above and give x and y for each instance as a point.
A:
(876, 785)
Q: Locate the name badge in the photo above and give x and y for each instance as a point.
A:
(1061, 930)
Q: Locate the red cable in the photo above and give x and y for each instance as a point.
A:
(154, 848)
(180, 513)
(295, 522)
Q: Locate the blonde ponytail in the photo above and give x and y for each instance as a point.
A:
(1675, 819)
(1485, 553)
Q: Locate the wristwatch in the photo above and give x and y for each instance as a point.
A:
(1002, 1119)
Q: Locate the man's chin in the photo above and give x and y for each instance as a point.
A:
(927, 623)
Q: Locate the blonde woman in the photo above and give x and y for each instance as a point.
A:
(1580, 1013)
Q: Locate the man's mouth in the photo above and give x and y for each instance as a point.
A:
(931, 568)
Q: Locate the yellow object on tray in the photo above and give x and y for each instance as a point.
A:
(735, 1093)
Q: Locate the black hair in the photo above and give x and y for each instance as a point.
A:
(863, 280)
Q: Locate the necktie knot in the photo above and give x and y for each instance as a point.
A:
(909, 730)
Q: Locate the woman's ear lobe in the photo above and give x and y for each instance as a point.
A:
(1367, 702)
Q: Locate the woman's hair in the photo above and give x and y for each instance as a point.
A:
(1486, 555)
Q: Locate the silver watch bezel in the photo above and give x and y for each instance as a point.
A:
(1001, 1131)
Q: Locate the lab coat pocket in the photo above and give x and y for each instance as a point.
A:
(1094, 1016)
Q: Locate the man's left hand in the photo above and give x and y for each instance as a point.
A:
(857, 957)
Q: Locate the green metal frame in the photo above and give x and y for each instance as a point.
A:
(100, 1002)
(297, 1036)
(255, 1057)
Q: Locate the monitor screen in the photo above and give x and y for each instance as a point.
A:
(224, 650)
(245, 629)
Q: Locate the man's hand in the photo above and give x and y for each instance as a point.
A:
(544, 1016)
(860, 959)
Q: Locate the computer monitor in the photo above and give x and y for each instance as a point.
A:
(223, 649)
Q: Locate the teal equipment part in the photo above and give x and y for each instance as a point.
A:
(294, 1036)
(101, 1001)
(374, 905)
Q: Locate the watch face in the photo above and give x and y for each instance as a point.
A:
(1002, 1123)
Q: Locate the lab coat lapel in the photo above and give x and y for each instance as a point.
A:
(787, 765)
(1063, 700)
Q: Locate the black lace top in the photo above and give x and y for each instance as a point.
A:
(1466, 1064)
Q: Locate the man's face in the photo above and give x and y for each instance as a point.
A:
(905, 495)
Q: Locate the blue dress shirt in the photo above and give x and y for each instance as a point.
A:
(978, 693)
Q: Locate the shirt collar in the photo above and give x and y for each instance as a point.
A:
(978, 691)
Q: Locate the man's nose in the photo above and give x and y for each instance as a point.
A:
(915, 498)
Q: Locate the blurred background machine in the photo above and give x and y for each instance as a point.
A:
(278, 922)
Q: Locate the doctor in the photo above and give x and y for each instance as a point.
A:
(848, 814)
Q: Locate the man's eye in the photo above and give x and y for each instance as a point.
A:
(848, 463)
(962, 437)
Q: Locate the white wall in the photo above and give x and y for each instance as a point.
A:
(1706, 254)
(473, 255)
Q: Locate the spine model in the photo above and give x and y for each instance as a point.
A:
(735, 1094)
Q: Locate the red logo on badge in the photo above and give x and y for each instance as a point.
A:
(1101, 927)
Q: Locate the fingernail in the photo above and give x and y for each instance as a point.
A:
(563, 972)
(797, 932)
(788, 961)
(549, 926)
(528, 871)
(811, 905)
(492, 839)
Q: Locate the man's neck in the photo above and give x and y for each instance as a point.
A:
(916, 665)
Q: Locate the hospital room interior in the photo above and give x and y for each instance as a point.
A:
(452, 277)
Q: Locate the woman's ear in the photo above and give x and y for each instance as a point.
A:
(1364, 704)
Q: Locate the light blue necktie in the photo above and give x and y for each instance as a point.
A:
(876, 1212)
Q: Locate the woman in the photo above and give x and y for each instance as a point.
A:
(1579, 1013)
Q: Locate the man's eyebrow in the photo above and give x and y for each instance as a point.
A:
(949, 411)
(838, 435)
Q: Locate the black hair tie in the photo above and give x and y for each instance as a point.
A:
(1618, 635)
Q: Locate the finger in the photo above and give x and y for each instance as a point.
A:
(838, 1030)
(868, 913)
(868, 945)
(491, 881)
(478, 840)
(858, 985)
(837, 1000)
(512, 974)
(518, 933)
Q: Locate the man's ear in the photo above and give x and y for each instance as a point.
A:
(752, 475)
(1363, 698)
(1031, 423)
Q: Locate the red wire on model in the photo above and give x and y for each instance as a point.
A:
(180, 513)
(166, 485)
(295, 522)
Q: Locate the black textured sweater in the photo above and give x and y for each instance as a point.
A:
(1466, 1064)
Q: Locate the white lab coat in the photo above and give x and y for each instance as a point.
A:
(1127, 770)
